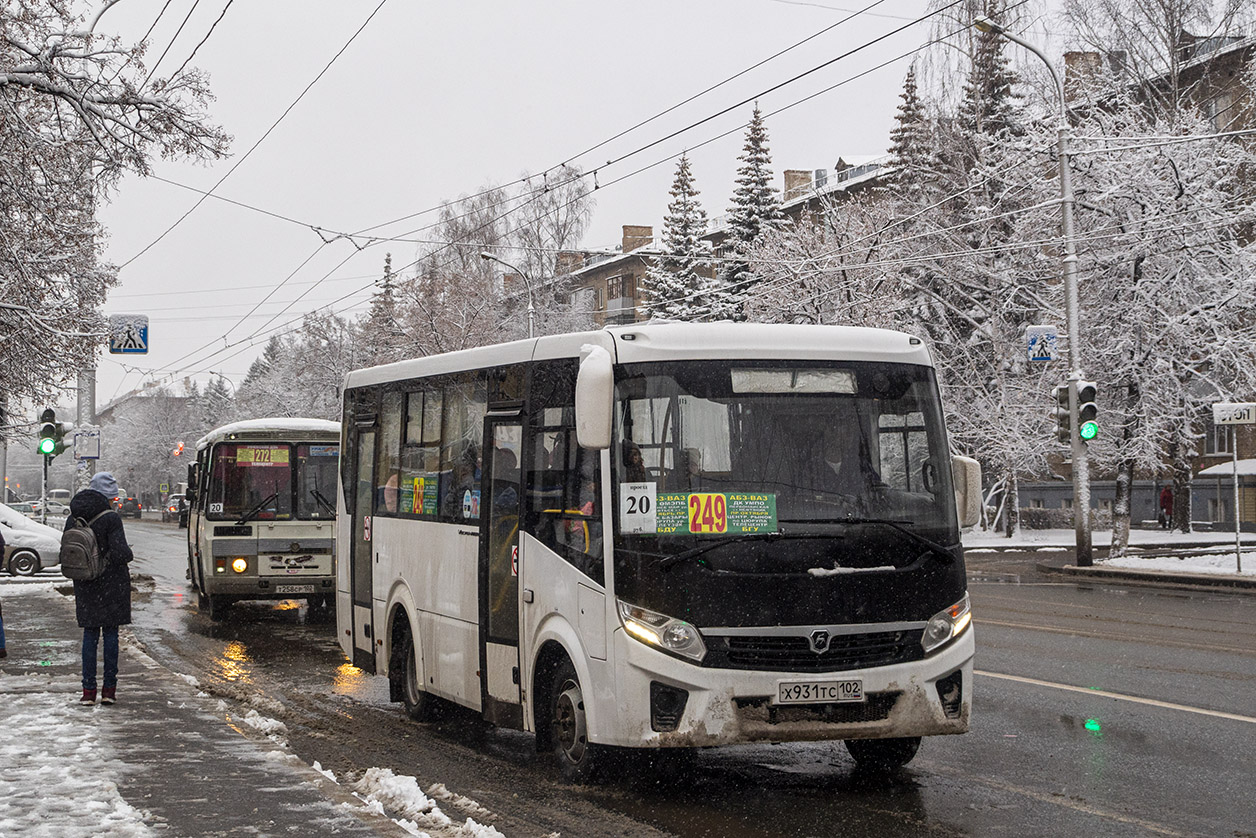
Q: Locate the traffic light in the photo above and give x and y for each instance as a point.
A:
(178, 449)
(50, 434)
(1063, 420)
(1087, 411)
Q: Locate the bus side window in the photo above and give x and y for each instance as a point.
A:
(465, 403)
(388, 459)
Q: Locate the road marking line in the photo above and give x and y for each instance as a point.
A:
(1181, 644)
(1050, 798)
(1106, 694)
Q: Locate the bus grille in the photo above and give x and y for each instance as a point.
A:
(875, 708)
(793, 654)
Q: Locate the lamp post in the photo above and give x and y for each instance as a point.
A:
(1081, 462)
(527, 283)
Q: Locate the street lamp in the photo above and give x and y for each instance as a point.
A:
(527, 283)
(1081, 463)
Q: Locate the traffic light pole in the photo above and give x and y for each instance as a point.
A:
(1081, 460)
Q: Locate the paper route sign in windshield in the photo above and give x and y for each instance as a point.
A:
(643, 509)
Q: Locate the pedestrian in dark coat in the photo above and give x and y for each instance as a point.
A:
(102, 604)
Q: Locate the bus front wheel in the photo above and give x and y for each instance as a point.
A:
(883, 755)
(578, 759)
(216, 607)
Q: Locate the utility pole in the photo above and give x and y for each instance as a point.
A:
(86, 418)
(1079, 450)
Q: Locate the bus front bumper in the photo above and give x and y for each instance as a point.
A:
(927, 697)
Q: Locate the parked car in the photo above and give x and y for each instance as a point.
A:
(28, 545)
(24, 507)
(56, 509)
(130, 507)
(173, 506)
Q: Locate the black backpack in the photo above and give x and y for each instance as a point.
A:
(80, 554)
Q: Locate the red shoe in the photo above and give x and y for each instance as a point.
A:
(89, 698)
(109, 695)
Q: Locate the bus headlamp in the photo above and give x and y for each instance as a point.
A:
(946, 624)
(664, 632)
(239, 564)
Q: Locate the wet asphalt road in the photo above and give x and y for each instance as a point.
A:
(1099, 709)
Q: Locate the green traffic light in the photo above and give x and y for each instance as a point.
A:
(1089, 430)
(47, 445)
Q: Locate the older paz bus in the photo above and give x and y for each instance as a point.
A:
(262, 515)
(663, 535)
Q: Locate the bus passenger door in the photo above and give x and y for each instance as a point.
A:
(360, 551)
(499, 571)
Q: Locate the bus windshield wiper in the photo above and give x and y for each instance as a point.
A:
(324, 502)
(901, 526)
(248, 516)
(692, 552)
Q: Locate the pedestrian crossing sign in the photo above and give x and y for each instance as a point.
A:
(128, 334)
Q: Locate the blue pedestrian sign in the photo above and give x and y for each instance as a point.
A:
(128, 334)
(1042, 342)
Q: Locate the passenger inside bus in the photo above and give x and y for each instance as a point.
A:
(464, 479)
(634, 463)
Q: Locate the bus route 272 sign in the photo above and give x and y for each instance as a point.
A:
(128, 334)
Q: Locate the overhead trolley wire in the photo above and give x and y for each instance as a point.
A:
(260, 140)
(622, 157)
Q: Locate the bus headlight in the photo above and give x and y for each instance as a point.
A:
(667, 633)
(947, 623)
(239, 564)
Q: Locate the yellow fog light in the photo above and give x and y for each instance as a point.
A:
(239, 565)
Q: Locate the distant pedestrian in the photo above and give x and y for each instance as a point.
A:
(1166, 507)
(102, 604)
(4, 652)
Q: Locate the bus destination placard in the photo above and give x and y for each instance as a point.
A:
(262, 455)
(644, 510)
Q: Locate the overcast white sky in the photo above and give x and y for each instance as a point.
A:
(435, 100)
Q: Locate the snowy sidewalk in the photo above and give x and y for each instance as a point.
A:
(1199, 558)
(166, 759)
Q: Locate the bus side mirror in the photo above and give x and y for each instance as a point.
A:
(966, 474)
(189, 494)
(595, 393)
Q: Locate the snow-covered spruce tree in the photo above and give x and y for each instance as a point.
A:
(382, 336)
(913, 160)
(678, 283)
(75, 115)
(754, 210)
(990, 101)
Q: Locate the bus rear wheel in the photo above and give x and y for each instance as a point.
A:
(579, 760)
(883, 755)
(420, 704)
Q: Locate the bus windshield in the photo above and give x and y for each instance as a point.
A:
(316, 480)
(256, 479)
(716, 449)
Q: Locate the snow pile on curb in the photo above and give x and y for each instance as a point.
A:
(399, 794)
(1220, 563)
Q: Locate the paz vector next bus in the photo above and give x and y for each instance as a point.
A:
(663, 536)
